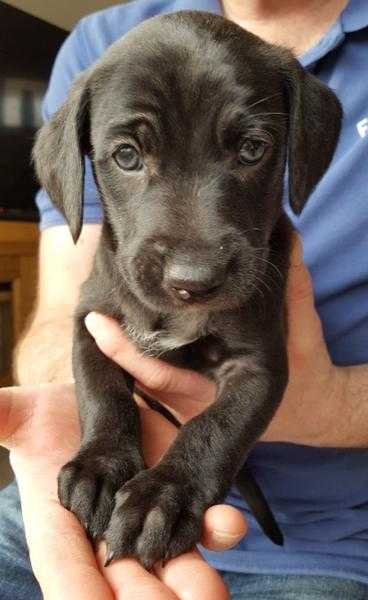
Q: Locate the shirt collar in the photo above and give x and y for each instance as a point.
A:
(213, 6)
(355, 16)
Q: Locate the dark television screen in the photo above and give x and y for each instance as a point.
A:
(27, 51)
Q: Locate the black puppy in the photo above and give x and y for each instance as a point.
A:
(187, 121)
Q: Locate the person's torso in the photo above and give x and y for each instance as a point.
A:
(320, 496)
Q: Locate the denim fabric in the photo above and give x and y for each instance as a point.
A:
(18, 583)
(293, 587)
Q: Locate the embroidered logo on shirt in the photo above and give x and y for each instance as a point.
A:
(362, 127)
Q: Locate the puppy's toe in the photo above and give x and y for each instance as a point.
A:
(150, 520)
(87, 487)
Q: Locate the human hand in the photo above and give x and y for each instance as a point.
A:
(316, 387)
(301, 418)
(40, 427)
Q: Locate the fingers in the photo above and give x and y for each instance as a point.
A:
(110, 339)
(299, 286)
(129, 580)
(305, 330)
(191, 577)
(223, 527)
(296, 255)
(153, 373)
(70, 565)
(187, 577)
(61, 556)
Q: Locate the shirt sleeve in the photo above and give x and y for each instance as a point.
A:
(71, 60)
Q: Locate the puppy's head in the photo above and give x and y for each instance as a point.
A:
(188, 121)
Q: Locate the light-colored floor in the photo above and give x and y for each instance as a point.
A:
(5, 470)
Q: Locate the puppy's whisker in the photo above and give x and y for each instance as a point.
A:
(270, 113)
(257, 290)
(277, 270)
(275, 283)
(264, 99)
(272, 125)
(262, 281)
(267, 279)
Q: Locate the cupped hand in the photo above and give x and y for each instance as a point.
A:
(316, 388)
(40, 427)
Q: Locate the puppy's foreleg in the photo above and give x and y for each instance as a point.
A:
(158, 514)
(110, 452)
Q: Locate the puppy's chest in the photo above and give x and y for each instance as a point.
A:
(168, 333)
(183, 340)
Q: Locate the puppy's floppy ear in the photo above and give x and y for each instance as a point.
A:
(314, 125)
(59, 152)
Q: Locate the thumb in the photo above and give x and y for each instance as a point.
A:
(304, 325)
(152, 373)
(16, 405)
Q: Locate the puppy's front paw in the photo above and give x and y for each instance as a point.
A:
(88, 483)
(157, 516)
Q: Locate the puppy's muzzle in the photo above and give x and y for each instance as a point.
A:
(181, 273)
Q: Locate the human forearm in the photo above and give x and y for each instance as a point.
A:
(44, 353)
(341, 412)
(331, 413)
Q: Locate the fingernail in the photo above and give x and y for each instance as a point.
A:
(91, 322)
(222, 536)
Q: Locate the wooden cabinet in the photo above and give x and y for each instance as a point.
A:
(18, 284)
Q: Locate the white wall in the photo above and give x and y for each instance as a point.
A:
(63, 13)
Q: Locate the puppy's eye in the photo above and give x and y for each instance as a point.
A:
(251, 151)
(128, 158)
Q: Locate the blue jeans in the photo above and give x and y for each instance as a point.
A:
(293, 587)
(18, 583)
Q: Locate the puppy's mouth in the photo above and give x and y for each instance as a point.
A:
(191, 296)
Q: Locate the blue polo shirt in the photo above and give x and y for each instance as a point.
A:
(319, 496)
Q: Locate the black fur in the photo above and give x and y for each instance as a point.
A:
(192, 260)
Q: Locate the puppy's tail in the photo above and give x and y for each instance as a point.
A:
(156, 406)
(258, 504)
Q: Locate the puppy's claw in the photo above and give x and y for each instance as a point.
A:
(110, 555)
(147, 563)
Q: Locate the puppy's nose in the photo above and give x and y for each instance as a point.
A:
(188, 281)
